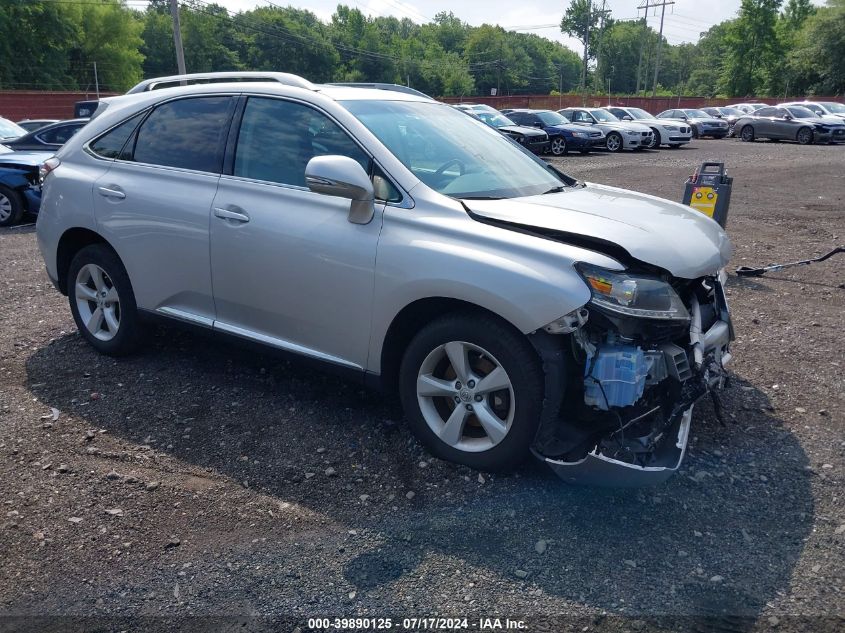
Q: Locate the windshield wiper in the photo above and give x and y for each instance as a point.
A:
(554, 190)
(480, 198)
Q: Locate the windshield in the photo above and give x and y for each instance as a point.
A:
(452, 153)
(831, 106)
(552, 118)
(604, 116)
(800, 112)
(496, 120)
(731, 111)
(697, 114)
(639, 114)
(10, 130)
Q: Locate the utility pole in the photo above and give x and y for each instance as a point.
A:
(586, 49)
(642, 44)
(646, 5)
(96, 81)
(177, 37)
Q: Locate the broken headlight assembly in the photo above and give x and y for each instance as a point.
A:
(632, 295)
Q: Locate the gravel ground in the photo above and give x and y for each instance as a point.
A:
(197, 479)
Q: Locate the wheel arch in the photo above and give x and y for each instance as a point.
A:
(71, 242)
(413, 317)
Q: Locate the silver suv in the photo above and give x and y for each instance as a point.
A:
(513, 309)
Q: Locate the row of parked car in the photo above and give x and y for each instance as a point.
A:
(617, 128)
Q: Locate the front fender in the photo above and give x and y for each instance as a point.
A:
(526, 280)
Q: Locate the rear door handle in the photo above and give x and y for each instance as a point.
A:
(228, 214)
(111, 192)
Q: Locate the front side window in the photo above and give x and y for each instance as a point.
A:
(767, 112)
(111, 143)
(833, 107)
(800, 112)
(452, 153)
(552, 118)
(188, 134)
(638, 114)
(277, 139)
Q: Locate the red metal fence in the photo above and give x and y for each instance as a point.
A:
(34, 104)
(653, 105)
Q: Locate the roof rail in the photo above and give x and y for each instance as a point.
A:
(380, 86)
(196, 78)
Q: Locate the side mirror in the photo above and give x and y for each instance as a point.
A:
(627, 117)
(537, 124)
(343, 177)
(787, 117)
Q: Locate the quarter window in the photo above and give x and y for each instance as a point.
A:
(189, 134)
(277, 139)
(767, 112)
(110, 143)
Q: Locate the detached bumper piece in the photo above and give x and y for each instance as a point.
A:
(626, 424)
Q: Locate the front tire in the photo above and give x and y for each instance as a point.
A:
(102, 301)
(655, 139)
(558, 146)
(747, 133)
(614, 142)
(804, 136)
(472, 386)
(11, 207)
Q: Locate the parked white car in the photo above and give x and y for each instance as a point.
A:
(620, 134)
(665, 132)
(515, 310)
(824, 109)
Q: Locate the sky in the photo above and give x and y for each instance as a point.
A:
(684, 21)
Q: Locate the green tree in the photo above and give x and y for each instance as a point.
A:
(581, 21)
(820, 49)
(751, 48)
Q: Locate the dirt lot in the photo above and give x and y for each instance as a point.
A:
(201, 480)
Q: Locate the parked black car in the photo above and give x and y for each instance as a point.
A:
(48, 138)
(726, 113)
(530, 138)
(563, 135)
(20, 190)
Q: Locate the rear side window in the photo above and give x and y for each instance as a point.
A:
(110, 143)
(277, 139)
(189, 134)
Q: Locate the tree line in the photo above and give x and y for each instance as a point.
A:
(767, 49)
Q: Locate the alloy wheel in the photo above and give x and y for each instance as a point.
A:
(805, 136)
(558, 146)
(614, 142)
(747, 133)
(655, 139)
(98, 302)
(465, 396)
(5, 208)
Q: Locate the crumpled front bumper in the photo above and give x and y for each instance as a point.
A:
(599, 470)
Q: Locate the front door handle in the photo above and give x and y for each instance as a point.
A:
(111, 192)
(228, 214)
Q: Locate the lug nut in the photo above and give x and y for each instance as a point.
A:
(457, 398)
(458, 385)
(471, 384)
(479, 398)
(469, 407)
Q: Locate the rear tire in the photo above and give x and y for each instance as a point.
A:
(747, 134)
(102, 301)
(460, 419)
(11, 206)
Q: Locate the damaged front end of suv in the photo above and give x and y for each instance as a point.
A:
(624, 371)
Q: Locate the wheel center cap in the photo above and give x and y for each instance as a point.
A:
(465, 395)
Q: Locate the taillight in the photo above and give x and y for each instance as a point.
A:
(47, 167)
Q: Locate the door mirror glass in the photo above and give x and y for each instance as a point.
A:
(538, 124)
(627, 117)
(342, 177)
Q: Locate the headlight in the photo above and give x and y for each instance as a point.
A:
(821, 128)
(632, 295)
(579, 134)
(520, 139)
(671, 128)
(632, 133)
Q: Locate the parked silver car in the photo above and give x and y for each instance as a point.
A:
(748, 108)
(702, 124)
(514, 309)
(821, 108)
(790, 123)
(620, 134)
(664, 132)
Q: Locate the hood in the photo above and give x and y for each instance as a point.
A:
(711, 120)
(569, 127)
(521, 129)
(655, 231)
